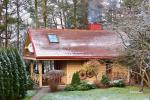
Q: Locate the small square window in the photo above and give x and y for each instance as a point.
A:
(53, 38)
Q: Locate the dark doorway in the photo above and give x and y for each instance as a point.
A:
(51, 65)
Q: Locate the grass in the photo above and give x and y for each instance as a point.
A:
(128, 93)
(29, 94)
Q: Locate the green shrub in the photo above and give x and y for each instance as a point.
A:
(84, 86)
(76, 85)
(117, 83)
(30, 83)
(105, 80)
(70, 88)
(75, 79)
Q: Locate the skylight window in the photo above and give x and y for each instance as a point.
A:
(53, 38)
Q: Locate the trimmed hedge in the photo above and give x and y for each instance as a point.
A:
(13, 75)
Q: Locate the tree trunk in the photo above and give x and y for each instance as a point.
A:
(36, 13)
(18, 23)
(65, 2)
(85, 13)
(45, 13)
(142, 82)
(75, 14)
(64, 17)
(0, 42)
(6, 24)
(61, 20)
(54, 21)
(60, 14)
(0, 19)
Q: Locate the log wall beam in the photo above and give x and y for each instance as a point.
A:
(40, 73)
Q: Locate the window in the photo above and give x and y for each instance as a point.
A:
(48, 65)
(53, 38)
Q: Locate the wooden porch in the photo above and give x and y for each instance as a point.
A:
(38, 68)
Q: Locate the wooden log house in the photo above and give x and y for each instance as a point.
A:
(68, 50)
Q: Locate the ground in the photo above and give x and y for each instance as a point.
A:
(30, 93)
(128, 93)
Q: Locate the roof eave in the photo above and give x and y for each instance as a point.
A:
(73, 57)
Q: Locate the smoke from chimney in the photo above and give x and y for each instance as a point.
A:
(95, 11)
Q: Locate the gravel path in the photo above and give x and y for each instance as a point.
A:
(43, 91)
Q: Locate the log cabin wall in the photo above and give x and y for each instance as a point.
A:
(120, 72)
(71, 67)
(74, 66)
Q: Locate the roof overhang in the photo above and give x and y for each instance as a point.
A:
(68, 58)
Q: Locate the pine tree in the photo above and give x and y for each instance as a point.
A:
(6, 75)
(13, 76)
(2, 93)
(15, 72)
(22, 72)
(10, 76)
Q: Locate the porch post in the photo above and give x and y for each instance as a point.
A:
(129, 80)
(31, 70)
(40, 73)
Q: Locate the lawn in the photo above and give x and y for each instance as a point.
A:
(128, 93)
(29, 94)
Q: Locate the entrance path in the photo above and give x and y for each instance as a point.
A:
(44, 91)
(41, 92)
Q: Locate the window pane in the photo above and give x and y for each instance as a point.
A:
(52, 38)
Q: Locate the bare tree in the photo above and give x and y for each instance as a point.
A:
(137, 44)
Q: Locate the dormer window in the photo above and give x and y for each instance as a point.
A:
(53, 38)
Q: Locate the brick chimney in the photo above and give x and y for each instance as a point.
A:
(95, 19)
(95, 26)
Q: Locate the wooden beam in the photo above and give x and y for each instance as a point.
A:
(40, 73)
(29, 58)
(31, 70)
(128, 78)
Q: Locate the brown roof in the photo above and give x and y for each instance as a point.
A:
(75, 44)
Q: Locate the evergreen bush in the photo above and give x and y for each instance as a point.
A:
(13, 75)
(75, 79)
(77, 85)
(84, 86)
(70, 88)
(105, 80)
(30, 83)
